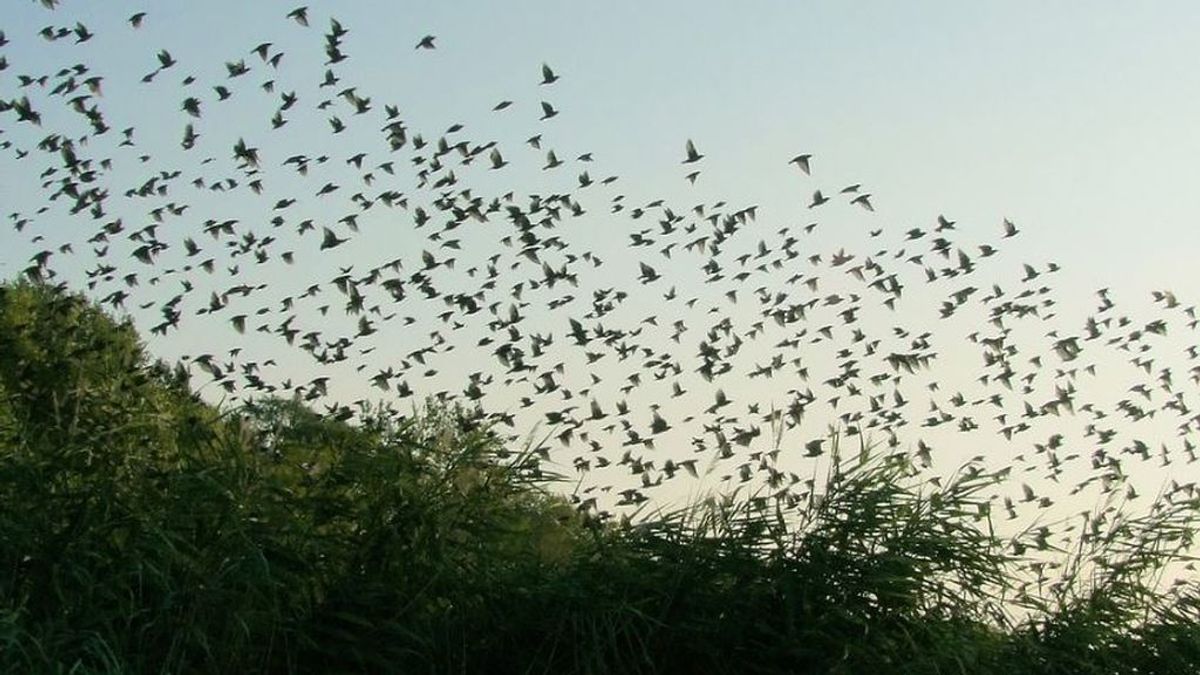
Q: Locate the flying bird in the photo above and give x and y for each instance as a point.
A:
(299, 15)
(692, 155)
(330, 239)
(262, 50)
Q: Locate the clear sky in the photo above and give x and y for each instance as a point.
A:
(1076, 120)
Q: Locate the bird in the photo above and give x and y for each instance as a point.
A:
(191, 105)
(692, 155)
(802, 161)
(262, 50)
(426, 42)
(330, 240)
(548, 76)
(299, 15)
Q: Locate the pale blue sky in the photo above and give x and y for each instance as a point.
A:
(1075, 118)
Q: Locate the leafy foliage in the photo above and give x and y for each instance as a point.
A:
(145, 531)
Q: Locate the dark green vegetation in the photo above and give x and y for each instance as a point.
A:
(145, 531)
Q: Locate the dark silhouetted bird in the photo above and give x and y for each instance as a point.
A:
(299, 15)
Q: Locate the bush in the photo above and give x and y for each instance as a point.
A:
(144, 531)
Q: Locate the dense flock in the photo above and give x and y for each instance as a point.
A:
(284, 232)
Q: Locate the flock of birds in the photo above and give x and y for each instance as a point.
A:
(711, 344)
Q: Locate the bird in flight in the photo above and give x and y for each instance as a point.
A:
(1010, 230)
(330, 239)
(692, 155)
(299, 15)
(863, 201)
(802, 162)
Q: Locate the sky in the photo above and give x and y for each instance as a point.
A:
(1074, 120)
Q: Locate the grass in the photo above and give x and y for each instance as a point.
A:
(143, 531)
